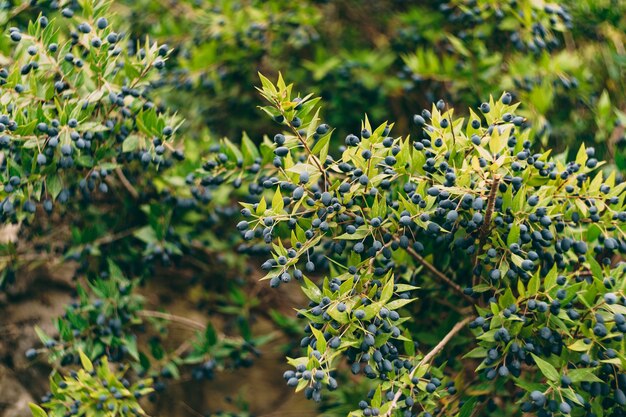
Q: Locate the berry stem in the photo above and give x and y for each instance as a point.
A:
(484, 230)
(429, 357)
(129, 187)
(438, 274)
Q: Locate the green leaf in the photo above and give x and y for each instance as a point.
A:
(571, 395)
(550, 280)
(130, 144)
(478, 352)
(84, 360)
(579, 346)
(533, 285)
(37, 411)
(115, 272)
(249, 150)
(371, 310)
(260, 209)
(396, 304)
(210, 335)
(321, 342)
(311, 290)
(514, 235)
(546, 368)
(146, 234)
(277, 202)
(54, 185)
(360, 233)
(377, 398)
(595, 267)
(321, 147)
(468, 408)
(340, 317)
(583, 374)
(581, 156)
(507, 299)
(387, 291)
(268, 86)
(42, 336)
(131, 344)
(232, 151)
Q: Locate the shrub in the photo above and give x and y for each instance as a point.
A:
(94, 390)
(562, 59)
(521, 244)
(77, 125)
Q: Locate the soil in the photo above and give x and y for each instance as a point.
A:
(40, 295)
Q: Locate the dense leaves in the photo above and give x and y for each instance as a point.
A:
(533, 239)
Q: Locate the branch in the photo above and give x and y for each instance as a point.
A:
(484, 230)
(187, 322)
(439, 275)
(429, 356)
(170, 317)
(129, 187)
(105, 240)
(316, 160)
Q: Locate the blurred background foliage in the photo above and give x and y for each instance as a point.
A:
(391, 57)
(565, 60)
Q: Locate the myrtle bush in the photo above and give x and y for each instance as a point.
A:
(90, 109)
(564, 60)
(91, 390)
(526, 245)
(91, 174)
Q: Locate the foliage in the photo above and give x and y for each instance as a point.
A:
(80, 121)
(93, 390)
(387, 56)
(91, 109)
(531, 237)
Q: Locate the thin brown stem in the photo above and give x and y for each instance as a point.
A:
(439, 275)
(484, 230)
(173, 318)
(105, 240)
(429, 357)
(192, 324)
(129, 187)
(302, 140)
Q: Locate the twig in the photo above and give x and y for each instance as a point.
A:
(171, 317)
(187, 322)
(182, 348)
(129, 187)
(316, 160)
(191, 410)
(484, 230)
(105, 240)
(429, 356)
(439, 275)
(491, 204)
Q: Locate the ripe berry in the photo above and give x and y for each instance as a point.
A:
(102, 23)
(419, 120)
